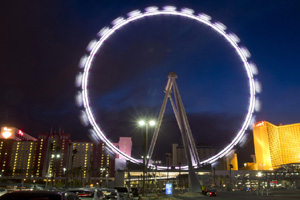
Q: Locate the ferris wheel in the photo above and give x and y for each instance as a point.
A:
(86, 63)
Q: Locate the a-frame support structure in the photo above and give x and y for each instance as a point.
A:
(187, 137)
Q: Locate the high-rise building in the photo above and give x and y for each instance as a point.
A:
(15, 134)
(22, 158)
(17, 152)
(276, 145)
(179, 158)
(230, 161)
(125, 145)
(103, 162)
(52, 153)
(81, 158)
(5, 156)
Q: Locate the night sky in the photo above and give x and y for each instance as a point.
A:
(42, 42)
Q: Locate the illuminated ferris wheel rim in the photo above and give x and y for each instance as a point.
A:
(105, 33)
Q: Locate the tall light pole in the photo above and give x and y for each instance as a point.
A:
(53, 156)
(64, 170)
(102, 169)
(146, 124)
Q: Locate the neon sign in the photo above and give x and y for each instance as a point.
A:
(260, 124)
(7, 132)
(21, 133)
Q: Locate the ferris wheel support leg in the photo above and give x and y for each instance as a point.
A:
(193, 150)
(194, 185)
(168, 91)
(192, 146)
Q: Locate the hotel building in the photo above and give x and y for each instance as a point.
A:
(179, 158)
(5, 156)
(276, 145)
(52, 150)
(81, 158)
(22, 158)
(15, 134)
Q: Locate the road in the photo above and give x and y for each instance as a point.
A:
(278, 195)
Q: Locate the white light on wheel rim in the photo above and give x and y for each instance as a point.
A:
(119, 22)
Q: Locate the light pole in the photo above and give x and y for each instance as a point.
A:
(102, 169)
(49, 166)
(64, 169)
(230, 167)
(146, 124)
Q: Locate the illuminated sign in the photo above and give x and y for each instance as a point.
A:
(260, 124)
(6, 132)
(21, 133)
(169, 188)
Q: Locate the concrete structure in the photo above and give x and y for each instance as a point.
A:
(276, 145)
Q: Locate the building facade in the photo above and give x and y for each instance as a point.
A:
(22, 158)
(276, 145)
(54, 155)
(179, 158)
(5, 156)
(15, 134)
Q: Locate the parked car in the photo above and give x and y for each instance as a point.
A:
(88, 193)
(110, 193)
(38, 194)
(124, 193)
(2, 191)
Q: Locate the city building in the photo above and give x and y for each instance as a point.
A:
(103, 164)
(231, 161)
(22, 158)
(81, 159)
(276, 145)
(169, 159)
(125, 145)
(228, 162)
(178, 154)
(5, 156)
(54, 158)
(15, 134)
(52, 154)
(17, 152)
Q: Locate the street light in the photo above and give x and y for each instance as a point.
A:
(64, 170)
(146, 124)
(49, 166)
(102, 169)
